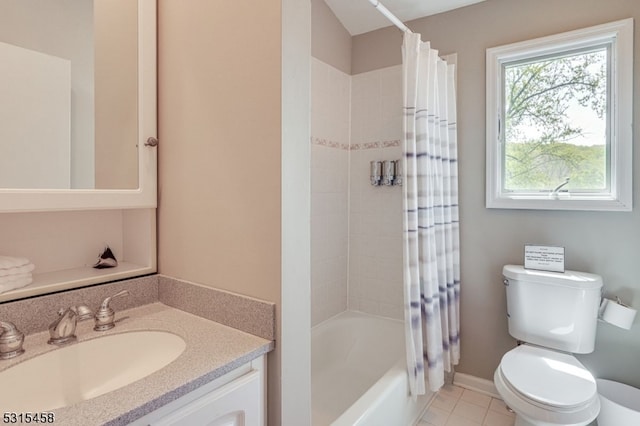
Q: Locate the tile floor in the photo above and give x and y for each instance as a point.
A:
(455, 406)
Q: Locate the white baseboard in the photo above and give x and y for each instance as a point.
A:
(477, 384)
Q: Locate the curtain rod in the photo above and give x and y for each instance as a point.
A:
(390, 16)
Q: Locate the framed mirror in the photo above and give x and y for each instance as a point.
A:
(77, 105)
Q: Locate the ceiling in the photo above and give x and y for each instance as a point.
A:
(359, 16)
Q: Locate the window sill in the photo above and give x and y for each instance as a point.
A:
(562, 202)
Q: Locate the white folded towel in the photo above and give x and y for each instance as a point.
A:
(12, 285)
(8, 262)
(17, 270)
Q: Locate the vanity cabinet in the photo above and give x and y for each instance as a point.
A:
(237, 398)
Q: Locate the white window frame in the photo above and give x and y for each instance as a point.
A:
(619, 197)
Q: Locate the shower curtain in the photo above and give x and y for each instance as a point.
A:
(430, 223)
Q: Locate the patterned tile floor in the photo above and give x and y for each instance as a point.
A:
(455, 406)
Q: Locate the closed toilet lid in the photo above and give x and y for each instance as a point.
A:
(552, 378)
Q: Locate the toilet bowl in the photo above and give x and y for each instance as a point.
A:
(546, 387)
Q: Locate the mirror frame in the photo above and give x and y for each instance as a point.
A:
(145, 196)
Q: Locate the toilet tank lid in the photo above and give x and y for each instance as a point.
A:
(582, 280)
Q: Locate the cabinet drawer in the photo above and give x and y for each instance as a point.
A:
(237, 398)
(234, 404)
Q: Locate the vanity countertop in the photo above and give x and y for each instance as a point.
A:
(212, 349)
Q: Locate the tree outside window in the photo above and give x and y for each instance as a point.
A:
(555, 123)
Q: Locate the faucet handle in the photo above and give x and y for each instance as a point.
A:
(11, 340)
(105, 302)
(105, 315)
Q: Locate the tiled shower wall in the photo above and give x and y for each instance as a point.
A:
(375, 219)
(356, 229)
(330, 111)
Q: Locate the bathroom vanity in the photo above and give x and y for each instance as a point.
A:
(218, 373)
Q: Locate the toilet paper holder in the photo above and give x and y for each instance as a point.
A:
(615, 312)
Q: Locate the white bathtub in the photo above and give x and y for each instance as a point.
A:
(358, 374)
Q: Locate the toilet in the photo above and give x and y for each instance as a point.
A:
(552, 315)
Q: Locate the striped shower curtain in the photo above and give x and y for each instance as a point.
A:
(430, 206)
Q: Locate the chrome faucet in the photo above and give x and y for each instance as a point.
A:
(105, 315)
(11, 340)
(63, 329)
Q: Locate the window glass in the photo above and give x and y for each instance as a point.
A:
(555, 117)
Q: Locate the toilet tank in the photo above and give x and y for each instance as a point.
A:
(552, 309)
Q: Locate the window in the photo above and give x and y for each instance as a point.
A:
(559, 121)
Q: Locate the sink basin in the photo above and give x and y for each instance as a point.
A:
(85, 370)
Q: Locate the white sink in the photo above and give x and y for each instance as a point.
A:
(85, 370)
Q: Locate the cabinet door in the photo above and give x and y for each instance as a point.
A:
(237, 403)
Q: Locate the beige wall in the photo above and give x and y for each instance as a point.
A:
(604, 243)
(330, 41)
(219, 120)
(220, 151)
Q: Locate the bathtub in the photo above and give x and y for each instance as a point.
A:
(358, 373)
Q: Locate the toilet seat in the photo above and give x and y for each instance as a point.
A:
(547, 378)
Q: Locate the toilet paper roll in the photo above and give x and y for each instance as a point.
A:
(618, 315)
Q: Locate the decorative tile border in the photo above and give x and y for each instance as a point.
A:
(387, 144)
(355, 146)
(376, 144)
(329, 144)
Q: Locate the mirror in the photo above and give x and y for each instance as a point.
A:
(94, 61)
(69, 97)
